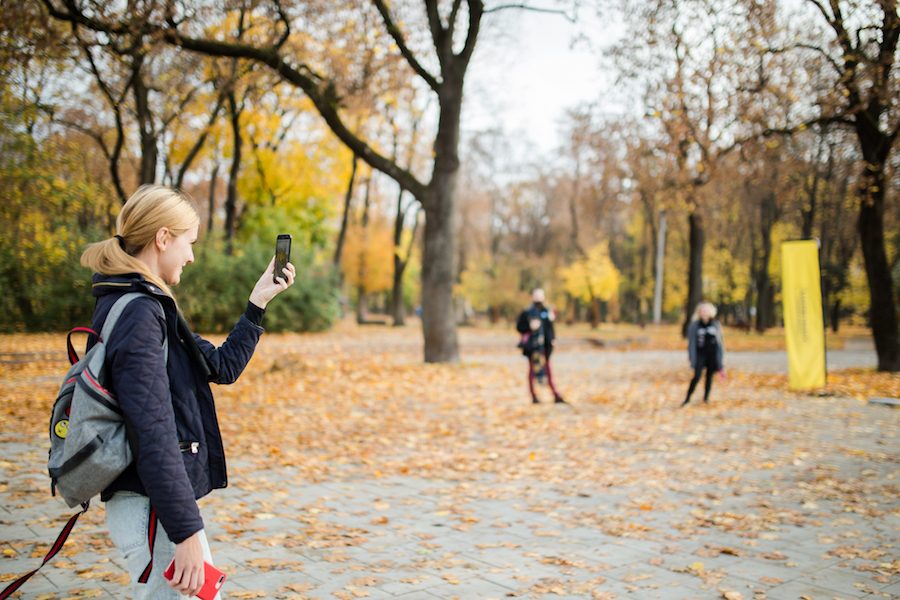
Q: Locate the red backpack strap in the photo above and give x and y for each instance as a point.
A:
(61, 540)
(73, 356)
(151, 542)
(54, 549)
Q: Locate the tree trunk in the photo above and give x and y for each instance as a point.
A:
(342, 234)
(882, 301)
(695, 267)
(400, 262)
(835, 315)
(362, 299)
(397, 312)
(660, 268)
(147, 173)
(231, 195)
(211, 201)
(764, 305)
(439, 251)
(438, 318)
(808, 212)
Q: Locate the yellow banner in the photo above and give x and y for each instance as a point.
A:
(804, 329)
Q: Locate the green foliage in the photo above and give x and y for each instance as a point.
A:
(215, 289)
(50, 210)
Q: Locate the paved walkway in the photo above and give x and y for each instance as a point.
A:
(759, 496)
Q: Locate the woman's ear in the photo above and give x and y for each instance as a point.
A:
(162, 238)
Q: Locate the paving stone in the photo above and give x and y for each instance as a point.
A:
(849, 582)
(470, 588)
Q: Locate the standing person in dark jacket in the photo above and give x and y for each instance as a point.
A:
(167, 404)
(535, 324)
(706, 348)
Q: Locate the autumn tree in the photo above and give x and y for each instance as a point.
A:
(451, 31)
(684, 52)
(851, 46)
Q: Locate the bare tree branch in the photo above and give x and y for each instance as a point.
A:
(282, 16)
(451, 20)
(399, 39)
(834, 63)
(439, 35)
(322, 94)
(792, 129)
(527, 7)
(476, 10)
(201, 139)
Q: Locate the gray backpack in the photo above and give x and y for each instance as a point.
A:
(88, 444)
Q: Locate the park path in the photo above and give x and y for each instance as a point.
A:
(445, 483)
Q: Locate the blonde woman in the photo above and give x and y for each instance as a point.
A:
(706, 348)
(170, 416)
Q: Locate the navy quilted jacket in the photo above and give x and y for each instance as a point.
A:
(170, 416)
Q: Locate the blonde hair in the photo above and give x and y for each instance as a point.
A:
(148, 210)
(705, 304)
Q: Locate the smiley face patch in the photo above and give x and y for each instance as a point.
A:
(61, 429)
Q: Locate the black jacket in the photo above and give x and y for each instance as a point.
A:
(537, 311)
(697, 330)
(170, 416)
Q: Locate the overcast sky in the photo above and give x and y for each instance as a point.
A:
(528, 69)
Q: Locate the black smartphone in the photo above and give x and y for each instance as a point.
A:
(282, 256)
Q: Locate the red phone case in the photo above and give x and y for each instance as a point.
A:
(213, 580)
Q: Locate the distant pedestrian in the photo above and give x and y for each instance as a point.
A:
(706, 348)
(535, 324)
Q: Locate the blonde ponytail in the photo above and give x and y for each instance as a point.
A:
(148, 210)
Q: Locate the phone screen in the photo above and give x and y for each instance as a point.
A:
(282, 255)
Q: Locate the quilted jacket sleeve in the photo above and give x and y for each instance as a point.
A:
(141, 384)
(227, 362)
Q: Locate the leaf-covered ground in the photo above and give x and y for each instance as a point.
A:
(358, 471)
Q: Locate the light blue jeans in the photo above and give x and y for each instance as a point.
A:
(127, 518)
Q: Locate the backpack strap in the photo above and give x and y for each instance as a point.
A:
(70, 348)
(54, 549)
(111, 319)
(116, 311)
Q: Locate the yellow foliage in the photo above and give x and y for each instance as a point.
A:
(368, 257)
(725, 278)
(487, 285)
(592, 277)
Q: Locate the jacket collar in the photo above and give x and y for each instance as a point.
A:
(103, 285)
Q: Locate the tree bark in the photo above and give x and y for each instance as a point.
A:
(882, 298)
(764, 305)
(400, 262)
(211, 200)
(342, 234)
(695, 267)
(362, 307)
(147, 172)
(659, 268)
(234, 113)
(835, 315)
(808, 212)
